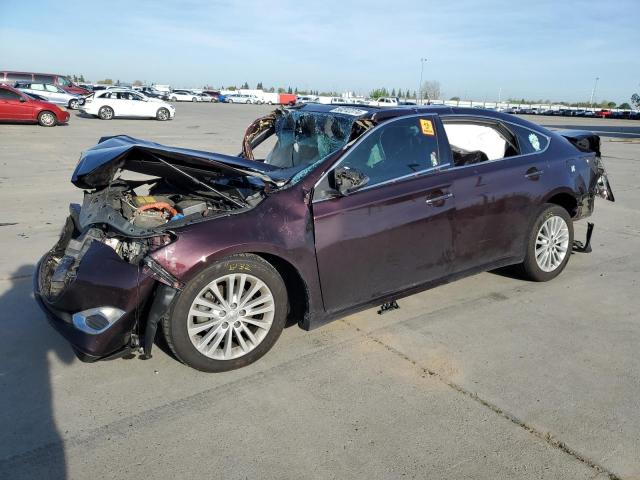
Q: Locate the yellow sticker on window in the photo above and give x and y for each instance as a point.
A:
(427, 127)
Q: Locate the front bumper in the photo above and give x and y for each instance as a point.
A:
(101, 278)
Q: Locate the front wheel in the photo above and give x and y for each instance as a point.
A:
(549, 245)
(194, 99)
(47, 119)
(74, 104)
(163, 114)
(229, 315)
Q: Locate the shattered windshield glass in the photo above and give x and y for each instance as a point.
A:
(304, 138)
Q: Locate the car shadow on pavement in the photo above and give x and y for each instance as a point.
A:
(30, 442)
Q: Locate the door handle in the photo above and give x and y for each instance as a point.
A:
(533, 173)
(438, 199)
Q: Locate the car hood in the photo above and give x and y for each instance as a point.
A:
(98, 165)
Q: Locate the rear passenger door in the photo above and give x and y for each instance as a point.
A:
(496, 186)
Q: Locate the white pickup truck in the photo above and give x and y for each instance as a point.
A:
(384, 102)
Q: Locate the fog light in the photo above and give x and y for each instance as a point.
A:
(96, 320)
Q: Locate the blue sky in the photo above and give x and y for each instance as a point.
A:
(538, 49)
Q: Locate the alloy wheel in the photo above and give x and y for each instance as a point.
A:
(230, 316)
(48, 119)
(552, 243)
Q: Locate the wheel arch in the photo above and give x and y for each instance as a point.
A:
(564, 198)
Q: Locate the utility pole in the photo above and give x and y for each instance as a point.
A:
(422, 60)
(499, 96)
(593, 91)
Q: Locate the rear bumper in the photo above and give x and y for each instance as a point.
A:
(101, 279)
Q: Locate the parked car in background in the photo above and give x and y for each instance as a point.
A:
(52, 93)
(604, 113)
(221, 251)
(307, 99)
(205, 97)
(123, 102)
(214, 94)
(17, 106)
(383, 102)
(10, 77)
(151, 92)
(240, 98)
(184, 96)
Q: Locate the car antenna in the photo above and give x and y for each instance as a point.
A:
(194, 179)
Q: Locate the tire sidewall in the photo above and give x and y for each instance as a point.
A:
(532, 270)
(175, 324)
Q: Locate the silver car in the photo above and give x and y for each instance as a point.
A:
(52, 93)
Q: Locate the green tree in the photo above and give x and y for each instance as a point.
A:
(635, 98)
(379, 92)
(289, 90)
(611, 104)
(259, 86)
(106, 81)
(271, 90)
(81, 78)
(137, 83)
(295, 90)
(393, 92)
(281, 90)
(245, 86)
(624, 106)
(455, 99)
(232, 88)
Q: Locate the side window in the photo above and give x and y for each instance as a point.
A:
(51, 88)
(18, 77)
(105, 95)
(402, 147)
(64, 81)
(530, 141)
(43, 78)
(476, 141)
(8, 95)
(37, 86)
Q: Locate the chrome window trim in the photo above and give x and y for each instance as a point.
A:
(466, 115)
(361, 139)
(449, 166)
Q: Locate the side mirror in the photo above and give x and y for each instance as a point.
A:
(346, 180)
(22, 99)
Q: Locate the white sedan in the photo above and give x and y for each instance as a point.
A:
(241, 98)
(184, 96)
(107, 104)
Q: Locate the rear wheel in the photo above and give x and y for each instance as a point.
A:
(74, 104)
(174, 99)
(47, 119)
(549, 245)
(163, 114)
(105, 113)
(229, 315)
(194, 99)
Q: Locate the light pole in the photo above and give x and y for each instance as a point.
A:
(422, 60)
(593, 91)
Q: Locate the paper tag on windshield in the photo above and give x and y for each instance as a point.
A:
(356, 112)
(427, 127)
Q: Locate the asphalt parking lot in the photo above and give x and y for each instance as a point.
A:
(489, 377)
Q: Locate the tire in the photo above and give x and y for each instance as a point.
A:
(105, 113)
(47, 119)
(225, 345)
(163, 114)
(553, 222)
(74, 104)
(174, 99)
(194, 99)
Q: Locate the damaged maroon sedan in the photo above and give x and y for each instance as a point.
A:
(349, 208)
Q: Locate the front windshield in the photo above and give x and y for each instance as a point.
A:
(64, 81)
(303, 138)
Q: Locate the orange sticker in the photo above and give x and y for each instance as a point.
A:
(427, 127)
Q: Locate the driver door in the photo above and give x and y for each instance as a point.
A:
(393, 233)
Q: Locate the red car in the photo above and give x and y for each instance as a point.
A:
(16, 106)
(61, 81)
(603, 114)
